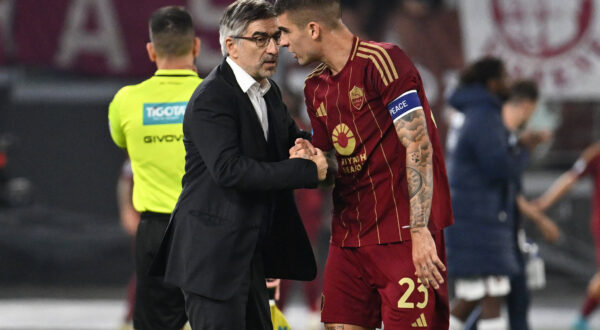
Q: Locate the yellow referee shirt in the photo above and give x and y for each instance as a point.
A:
(146, 119)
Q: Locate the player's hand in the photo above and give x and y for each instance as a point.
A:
(531, 139)
(321, 162)
(541, 203)
(130, 220)
(274, 283)
(549, 229)
(428, 266)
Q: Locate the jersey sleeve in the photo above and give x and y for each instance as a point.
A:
(582, 168)
(320, 137)
(398, 82)
(114, 120)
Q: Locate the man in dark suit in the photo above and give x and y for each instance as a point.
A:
(236, 221)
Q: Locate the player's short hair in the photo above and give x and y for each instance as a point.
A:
(239, 15)
(482, 71)
(524, 90)
(301, 12)
(171, 31)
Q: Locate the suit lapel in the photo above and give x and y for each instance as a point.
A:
(275, 120)
(247, 110)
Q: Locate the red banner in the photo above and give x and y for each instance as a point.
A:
(108, 37)
(555, 42)
(96, 36)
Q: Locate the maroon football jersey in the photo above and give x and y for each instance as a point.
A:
(351, 112)
(592, 168)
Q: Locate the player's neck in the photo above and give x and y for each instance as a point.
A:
(176, 63)
(339, 45)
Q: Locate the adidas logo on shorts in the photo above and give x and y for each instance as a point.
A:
(420, 322)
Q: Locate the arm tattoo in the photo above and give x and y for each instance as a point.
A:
(415, 181)
(412, 132)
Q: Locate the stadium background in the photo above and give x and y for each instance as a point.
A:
(61, 61)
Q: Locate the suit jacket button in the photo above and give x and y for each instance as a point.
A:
(502, 216)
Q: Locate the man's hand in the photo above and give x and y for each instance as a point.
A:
(428, 266)
(274, 284)
(549, 229)
(304, 149)
(534, 211)
(530, 138)
(130, 220)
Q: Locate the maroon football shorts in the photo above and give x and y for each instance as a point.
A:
(367, 285)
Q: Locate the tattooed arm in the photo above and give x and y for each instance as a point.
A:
(412, 132)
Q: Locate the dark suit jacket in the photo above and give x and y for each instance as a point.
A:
(229, 187)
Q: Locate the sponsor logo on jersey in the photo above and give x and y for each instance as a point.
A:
(343, 139)
(164, 113)
(351, 165)
(357, 97)
(404, 104)
(168, 138)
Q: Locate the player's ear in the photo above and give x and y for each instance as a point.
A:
(314, 29)
(197, 46)
(151, 51)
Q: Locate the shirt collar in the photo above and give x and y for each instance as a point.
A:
(246, 81)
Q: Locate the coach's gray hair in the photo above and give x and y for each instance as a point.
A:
(239, 15)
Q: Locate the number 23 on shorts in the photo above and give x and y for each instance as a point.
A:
(408, 284)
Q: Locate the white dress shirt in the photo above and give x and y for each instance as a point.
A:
(255, 91)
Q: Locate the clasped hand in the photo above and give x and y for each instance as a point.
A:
(304, 149)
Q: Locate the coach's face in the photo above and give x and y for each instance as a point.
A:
(298, 40)
(250, 51)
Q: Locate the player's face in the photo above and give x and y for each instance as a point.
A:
(296, 39)
(527, 110)
(259, 61)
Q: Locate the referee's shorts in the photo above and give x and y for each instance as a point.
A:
(158, 306)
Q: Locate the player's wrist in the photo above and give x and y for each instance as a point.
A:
(419, 230)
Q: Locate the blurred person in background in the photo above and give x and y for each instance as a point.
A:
(146, 120)
(130, 219)
(373, 14)
(588, 164)
(236, 221)
(3, 174)
(516, 112)
(484, 171)
(368, 109)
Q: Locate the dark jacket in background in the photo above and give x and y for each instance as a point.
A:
(484, 171)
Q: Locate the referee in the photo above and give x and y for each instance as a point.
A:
(146, 120)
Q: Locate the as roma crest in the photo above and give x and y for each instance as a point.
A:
(357, 97)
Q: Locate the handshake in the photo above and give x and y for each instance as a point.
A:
(304, 149)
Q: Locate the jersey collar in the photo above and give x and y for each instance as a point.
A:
(175, 73)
